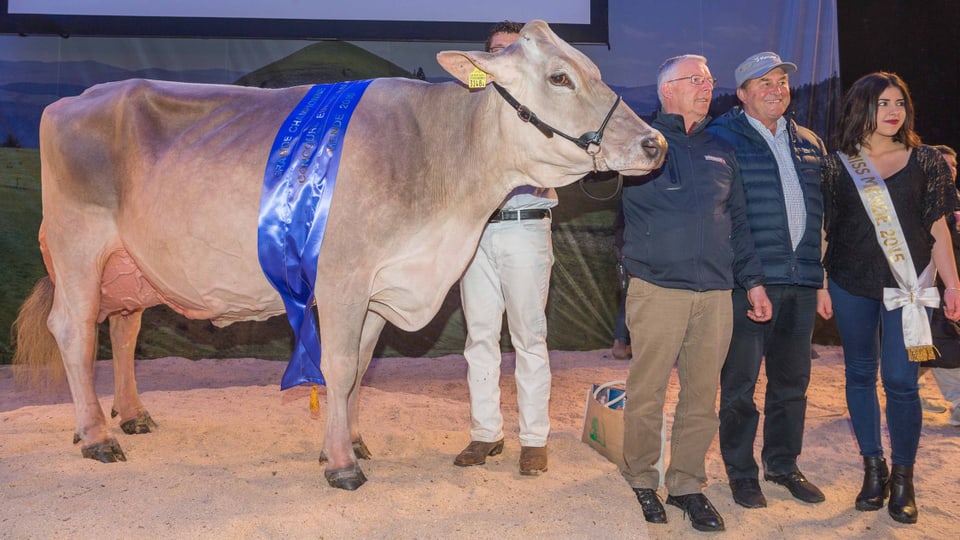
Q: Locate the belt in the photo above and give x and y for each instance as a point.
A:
(517, 215)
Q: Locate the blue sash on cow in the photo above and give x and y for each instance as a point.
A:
(297, 189)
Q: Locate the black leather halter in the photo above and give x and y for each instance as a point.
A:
(589, 141)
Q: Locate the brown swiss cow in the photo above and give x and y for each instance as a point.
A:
(151, 196)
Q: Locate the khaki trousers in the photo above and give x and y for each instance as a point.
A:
(692, 330)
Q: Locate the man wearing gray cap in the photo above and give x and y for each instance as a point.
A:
(780, 166)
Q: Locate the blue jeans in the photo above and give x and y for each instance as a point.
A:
(873, 336)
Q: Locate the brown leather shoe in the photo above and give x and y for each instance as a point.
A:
(476, 453)
(533, 460)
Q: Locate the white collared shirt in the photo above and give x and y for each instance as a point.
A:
(792, 193)
(530, 198)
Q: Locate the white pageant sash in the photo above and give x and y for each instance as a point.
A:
(915, 294)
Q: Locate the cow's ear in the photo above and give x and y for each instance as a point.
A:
(462, 64)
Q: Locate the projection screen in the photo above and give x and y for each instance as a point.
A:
(577, 21)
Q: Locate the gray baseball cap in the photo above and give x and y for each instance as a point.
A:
(759, 65)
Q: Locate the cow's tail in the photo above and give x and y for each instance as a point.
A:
(37, 361)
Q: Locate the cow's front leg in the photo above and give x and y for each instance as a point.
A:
(134, 418)
(342, 470)
(343, 372)
(372, 327)
(360, 450)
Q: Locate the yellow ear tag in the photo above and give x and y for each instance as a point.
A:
(478, 78)
(314, 399)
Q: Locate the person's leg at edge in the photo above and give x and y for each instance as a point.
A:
(948, 379)
(928, 402)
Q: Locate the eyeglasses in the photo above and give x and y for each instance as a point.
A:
(697, 80)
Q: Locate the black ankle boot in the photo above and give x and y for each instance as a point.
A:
(875, 485)
(903, 503)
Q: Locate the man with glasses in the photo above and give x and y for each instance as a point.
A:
(686, 244)
(780, 167)
(510, 272)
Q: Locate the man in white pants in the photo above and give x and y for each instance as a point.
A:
(510, 272)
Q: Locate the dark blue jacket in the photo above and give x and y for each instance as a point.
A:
(686, 223)
(766, 211)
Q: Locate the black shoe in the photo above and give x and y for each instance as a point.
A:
(875, 485)
(799, 486)
(650, 503)
(746, 493)
(903, 503)
(703, 516)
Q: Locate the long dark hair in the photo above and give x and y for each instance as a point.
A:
(858, 118)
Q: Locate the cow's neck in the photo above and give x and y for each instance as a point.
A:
(489, 167)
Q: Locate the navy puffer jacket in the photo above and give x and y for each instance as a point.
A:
(766, 211)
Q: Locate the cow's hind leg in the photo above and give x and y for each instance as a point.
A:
(134, 418)
(72, 322)
(74, 241)
(343, 375)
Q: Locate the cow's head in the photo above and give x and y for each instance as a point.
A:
(542, 75)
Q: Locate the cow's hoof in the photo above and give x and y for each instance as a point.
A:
(105, 452)
(349, 478)
(138, 425)
(359, 449)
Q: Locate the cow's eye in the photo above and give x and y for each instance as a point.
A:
(561, 79)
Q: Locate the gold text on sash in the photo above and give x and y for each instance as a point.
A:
(891, 241)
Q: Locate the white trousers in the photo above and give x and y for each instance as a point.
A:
(509, 273)
(949, 382)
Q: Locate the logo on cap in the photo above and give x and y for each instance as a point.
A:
(759, 64)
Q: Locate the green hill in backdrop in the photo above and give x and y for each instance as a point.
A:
(321, 63)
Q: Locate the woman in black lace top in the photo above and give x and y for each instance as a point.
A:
(876, 127)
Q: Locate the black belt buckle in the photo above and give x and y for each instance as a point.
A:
(518, 215)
